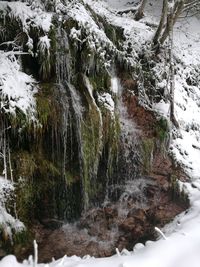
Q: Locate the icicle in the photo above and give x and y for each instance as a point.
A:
(117, 252)
(62, 261)
(10, 165)
(35, 253)
(5, 172)
(161, 233)
(129, 140)
(15, 211)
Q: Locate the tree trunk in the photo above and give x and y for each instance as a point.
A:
(140, 11)
(171, 69)
(162, 21)
(171, 19)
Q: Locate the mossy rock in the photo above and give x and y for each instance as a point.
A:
(177, 193)
(101, 82)
(48, 110)
(162, 129)
(147, 151)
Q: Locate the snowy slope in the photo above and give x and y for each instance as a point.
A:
(181, 248)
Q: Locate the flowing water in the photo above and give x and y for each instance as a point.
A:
(124, 188)
(129, 182)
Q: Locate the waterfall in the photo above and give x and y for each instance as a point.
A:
(128, 141)
(71, 108)
(84, 136)
(127, 182)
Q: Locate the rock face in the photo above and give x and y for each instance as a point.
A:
(118, 225)
(140, 204)
(94, 153)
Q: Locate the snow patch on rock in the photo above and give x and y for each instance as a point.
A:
(17, 88)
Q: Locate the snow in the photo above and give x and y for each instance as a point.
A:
(96, 36)
(186, 147)
(181, 247)
(188, 40)
(136, 33)
(17, 88)
(162, 108)
(7, 222)
(114, 85)
(90, 90)
(107, 101)
(27, 15)
(44, 43)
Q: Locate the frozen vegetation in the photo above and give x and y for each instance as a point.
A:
(181, 247)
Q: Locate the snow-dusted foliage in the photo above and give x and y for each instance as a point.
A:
(106, 100)
(17, 88)
(181, 248)
(27, 15)
(8, 224)
(44, 56)
(185, 146)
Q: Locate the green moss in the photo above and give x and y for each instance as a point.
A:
(147, 154)
(47, 108)
(162, 129)
(101, 82)
(110, 32)
(175, 188)
(69, 24)
(49, 167)
(92, 146)
(19, 119)
(21, 237)
(114, 33)
(37, 175)
(14, 244)
(21, 241)
(99, 129)
(71, 177)
(43, 109)
(177, 193)
(25, 197)
(26, 164)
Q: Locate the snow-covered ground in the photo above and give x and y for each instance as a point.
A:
(181, 247)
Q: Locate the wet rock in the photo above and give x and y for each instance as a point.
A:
(128, 225)
(138, 214)
(93, 248)
(52, 223)
(128, 218)
(110, 212)
(2, 253)
(122, 243)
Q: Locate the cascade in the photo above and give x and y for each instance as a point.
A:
(127, 183)
(86, 163)
(128, 141)
(83, 142)
(71, 112)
